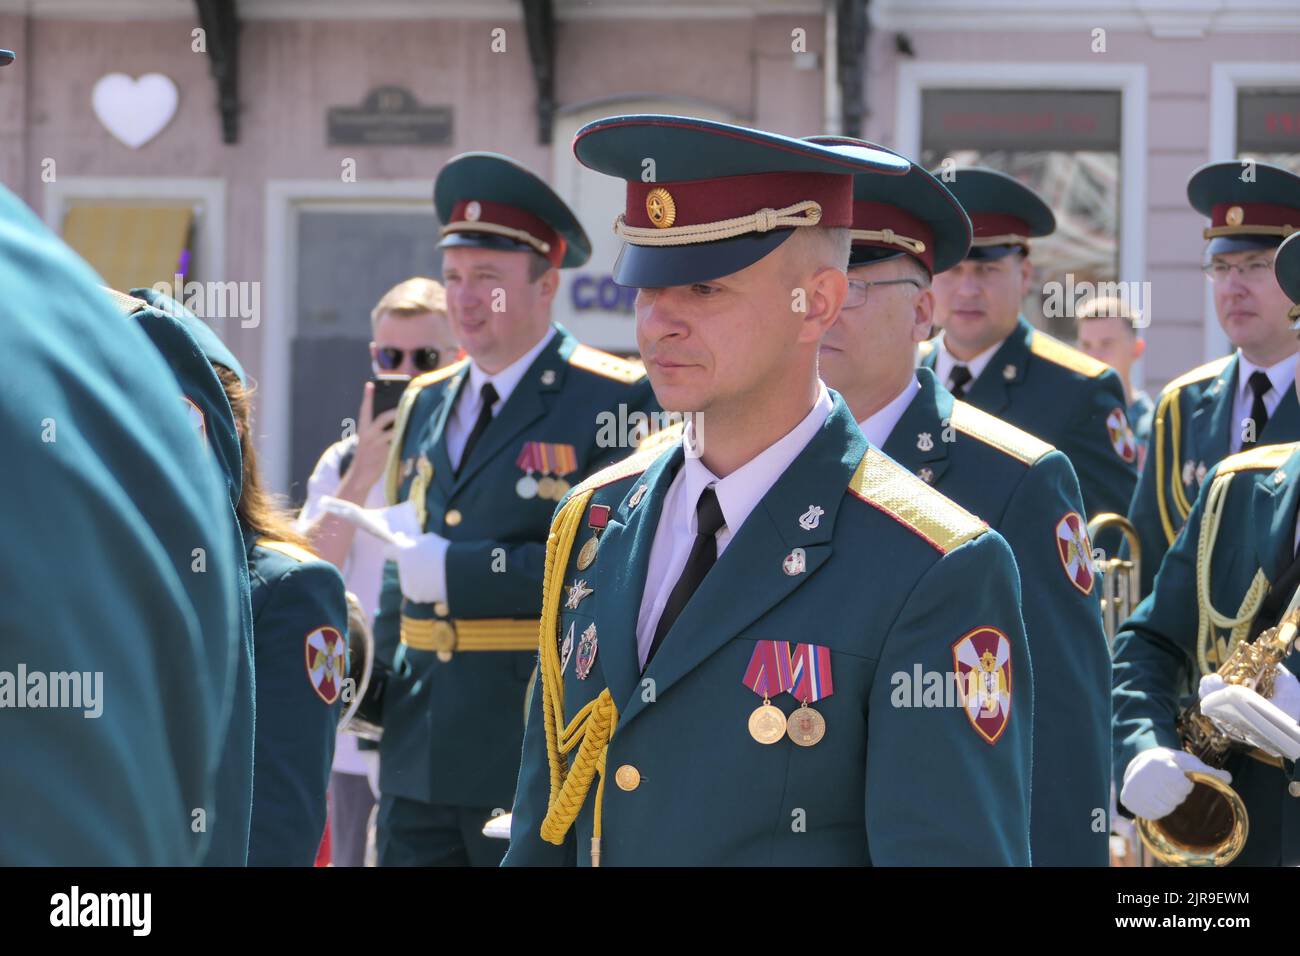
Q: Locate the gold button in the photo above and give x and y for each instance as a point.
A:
(627, 777)
(452, 518)
(440, 608)
(1293, 788)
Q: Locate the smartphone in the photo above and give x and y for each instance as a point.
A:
(388, 392)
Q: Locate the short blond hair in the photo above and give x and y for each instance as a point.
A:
(414, 296)
(1110, 307)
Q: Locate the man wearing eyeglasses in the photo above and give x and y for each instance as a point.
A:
(991, 357)
(411, 336)
(904, 230)
(1241, 400)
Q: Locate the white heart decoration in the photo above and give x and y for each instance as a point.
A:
(135, 111)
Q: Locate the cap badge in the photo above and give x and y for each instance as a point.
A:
(660, 207)
(1234, 216)
(473, 211)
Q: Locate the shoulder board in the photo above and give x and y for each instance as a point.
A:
(1198, 374)
(884, 484)
(1057, 352)
(663, 438)
(924, 349)
(606, 365)
(1001, 435)
(437, 375)
(634, 464)
(297, 552)
(1260, 458)
(126, 304)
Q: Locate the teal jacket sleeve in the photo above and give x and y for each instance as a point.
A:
(965, 801)
(298, 703)
(1154, 656)
(1105, 478)
(1062, 612)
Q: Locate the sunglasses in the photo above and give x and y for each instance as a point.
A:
(424, 358)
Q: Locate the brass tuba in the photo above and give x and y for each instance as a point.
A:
(1210, 827)
(1121, 591)
(1121, 578)
(361, 661)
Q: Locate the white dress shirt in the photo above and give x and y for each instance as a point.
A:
(1282, 378)
(945, 360)
(461, 421)
(880, 426)
(738, 494)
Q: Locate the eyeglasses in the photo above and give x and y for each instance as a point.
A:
(424, 358)
(1252, 271)
(858, 289)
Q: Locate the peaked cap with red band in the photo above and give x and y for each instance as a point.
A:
(490, 201)
(707, 199)
(1286, 266)
(1004, 213)
(913, 214)
(1250, 205)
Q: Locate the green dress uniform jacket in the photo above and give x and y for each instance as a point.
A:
(901, 585)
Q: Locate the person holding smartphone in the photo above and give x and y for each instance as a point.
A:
(411, 336)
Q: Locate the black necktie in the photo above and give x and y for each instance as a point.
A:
(958, 378)
(1259, 384)
(489, 396)
(704, 552)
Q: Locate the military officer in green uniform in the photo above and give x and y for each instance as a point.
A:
(113, 507)
(1242, 399)
(749, 636)
(904, 231)
(1232, 572)
(484, 449)
(193, 351)
(991, 357)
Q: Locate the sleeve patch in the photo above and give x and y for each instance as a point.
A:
(982, 660)
(327, 662)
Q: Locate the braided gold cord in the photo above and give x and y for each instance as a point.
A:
(1208, 618)
(806, 213)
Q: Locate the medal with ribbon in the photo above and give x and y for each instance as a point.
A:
(552, 461)
(810, 668)
(529, 461)
(597, 519)
(768, 674)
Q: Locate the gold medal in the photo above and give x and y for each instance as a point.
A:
(546, 487)
(561, 488)
(588, 553)
(806, 726)
(767, 723)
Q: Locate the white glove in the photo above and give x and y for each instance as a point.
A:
(1285, 696)
(1286, 693)
(1156, 782)
(421, 566)
(421, 558)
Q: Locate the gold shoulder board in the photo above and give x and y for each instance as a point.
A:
(1198, 374)
(1057, 352)
(1262, 457)
(884, 484)
(606, 365)
(634, 464)
(437, 375)
(663, 438)
(1001, 435)
(126, 304)
(297, 552)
